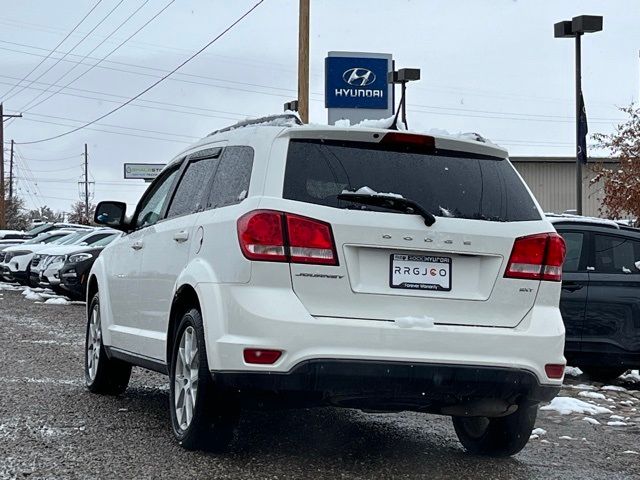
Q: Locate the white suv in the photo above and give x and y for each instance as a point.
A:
(262, 267)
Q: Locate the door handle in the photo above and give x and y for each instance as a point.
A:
(137, 245)
(571, 287)
(181, 236)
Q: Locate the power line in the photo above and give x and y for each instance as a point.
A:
(192, 82)
(137, 104)
(153, 84)
(108, 54)
(96, 130)
(78, 43)
(52, 51)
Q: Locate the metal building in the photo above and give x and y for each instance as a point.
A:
(553, 181)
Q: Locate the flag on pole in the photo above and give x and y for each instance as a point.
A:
(583, 129)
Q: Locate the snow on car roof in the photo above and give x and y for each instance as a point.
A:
(569, 218)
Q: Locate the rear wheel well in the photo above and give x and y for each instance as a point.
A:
(92, 289)
(184, 299)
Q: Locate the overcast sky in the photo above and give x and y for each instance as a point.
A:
(488, 66)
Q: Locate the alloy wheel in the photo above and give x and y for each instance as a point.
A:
(94, 343)
(186, 371)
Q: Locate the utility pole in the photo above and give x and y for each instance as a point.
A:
(11, 173)
(3, 207)
(303, 61)
(86, 184)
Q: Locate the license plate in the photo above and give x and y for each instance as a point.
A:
(420, 272)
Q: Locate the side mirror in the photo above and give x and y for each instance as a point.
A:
(111, 214)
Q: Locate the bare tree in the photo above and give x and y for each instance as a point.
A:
(77, 213)
(621, 185)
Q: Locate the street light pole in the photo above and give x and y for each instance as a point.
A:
(578, 113)
(575, 28)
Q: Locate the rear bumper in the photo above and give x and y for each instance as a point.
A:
(447, 389)
(239, 317)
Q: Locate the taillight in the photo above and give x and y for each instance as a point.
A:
(537, 257)
(554, 370)
(261, 236)
(261, 356)
(412, 139)
(284, 237)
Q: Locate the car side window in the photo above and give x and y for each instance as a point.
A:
(616, 254)
(190, 193)
(231, 182)
(575, 245)
(150, 208)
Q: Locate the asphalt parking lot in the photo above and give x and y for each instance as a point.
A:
(51, 427)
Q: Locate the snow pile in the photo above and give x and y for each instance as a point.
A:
(597, 396)
(591, 420)
(614, 388)
(370, 191)
(632, 376)
(410, 322)
(32, 295)
(567, 405)
(57, 301)
(10, 287)
(617, 423)
(632, 452)
(582, 386)
(539, 431)
(573, 371)
(565, 437)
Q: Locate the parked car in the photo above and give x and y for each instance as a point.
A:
(17, 259)
(600, 300)
(47, 227)
(74, 274)
(262, 267)
(10, 234)
(53, 259)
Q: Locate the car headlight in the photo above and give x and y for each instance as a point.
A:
(80, 257)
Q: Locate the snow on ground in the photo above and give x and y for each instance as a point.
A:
(57, 301)
(617, 423)
(595, 395)
(614, 388)
(591, 420)
(632, 376)
(568, 405)
(539, 431)
(573, 371)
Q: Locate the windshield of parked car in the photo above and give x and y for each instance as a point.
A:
(39, 229)
(103, 242)
(447, 184)
(70, 239)
(42, 238)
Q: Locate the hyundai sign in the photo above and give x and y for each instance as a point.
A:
(356, 81)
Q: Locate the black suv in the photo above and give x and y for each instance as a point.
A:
(600, 301)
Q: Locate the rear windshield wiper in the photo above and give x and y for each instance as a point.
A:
(397, 203)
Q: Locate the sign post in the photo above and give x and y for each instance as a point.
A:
(356, 86)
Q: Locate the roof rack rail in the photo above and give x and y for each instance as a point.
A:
(281, 120)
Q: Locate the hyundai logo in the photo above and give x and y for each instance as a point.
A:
(359, 77)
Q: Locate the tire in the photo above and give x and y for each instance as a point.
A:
(102, 374)
(497, 437)
(603, 374)
(203, 417)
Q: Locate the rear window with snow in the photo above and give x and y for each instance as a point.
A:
(445, 183)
